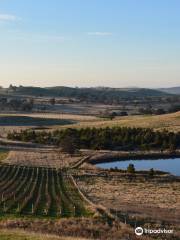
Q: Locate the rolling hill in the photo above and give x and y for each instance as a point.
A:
(84, 93)
(172, 90)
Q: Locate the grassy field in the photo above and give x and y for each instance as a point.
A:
(158, 122)
(21, 235)
(170, 122)
(149, 199)
(66, 229)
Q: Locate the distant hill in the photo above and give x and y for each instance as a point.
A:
(173, 90)
(99, 94)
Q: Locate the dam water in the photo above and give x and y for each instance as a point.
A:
(166, 165)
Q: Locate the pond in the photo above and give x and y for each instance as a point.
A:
(32, 121)
(166, 165)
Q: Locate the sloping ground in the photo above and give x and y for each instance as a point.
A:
(159, 122)
(40, 158)
(172, 90)
(40, 192)
(155, 199)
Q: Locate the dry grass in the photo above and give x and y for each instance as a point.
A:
(151, 198)
(7, 234)
(36, 157)
(167, 121)
(70, 229)
(170, 122)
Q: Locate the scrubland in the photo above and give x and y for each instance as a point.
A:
(156, 199)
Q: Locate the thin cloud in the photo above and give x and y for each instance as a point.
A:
(8, 17)
(101, 34)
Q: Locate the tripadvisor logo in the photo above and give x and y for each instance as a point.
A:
(139, 231)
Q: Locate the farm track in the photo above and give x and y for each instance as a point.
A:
(36, 191)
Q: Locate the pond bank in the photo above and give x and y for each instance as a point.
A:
(112, 156)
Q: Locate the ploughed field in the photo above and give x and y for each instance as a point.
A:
(39, 191)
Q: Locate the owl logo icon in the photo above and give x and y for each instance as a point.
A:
(139, 231)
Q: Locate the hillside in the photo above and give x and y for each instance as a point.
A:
(100, 94)
(170, 122)
(173, 90)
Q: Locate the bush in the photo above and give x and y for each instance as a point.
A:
(131, 168)
(151, 172)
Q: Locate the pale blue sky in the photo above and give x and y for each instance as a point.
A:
(114, 43)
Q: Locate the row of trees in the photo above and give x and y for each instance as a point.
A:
(115, 138)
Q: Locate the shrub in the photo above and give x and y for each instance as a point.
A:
(131, 168)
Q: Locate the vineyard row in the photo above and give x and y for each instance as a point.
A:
(39, 192)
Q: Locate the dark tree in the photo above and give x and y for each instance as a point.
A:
(131, 168)
(151, 172)
(68, 144)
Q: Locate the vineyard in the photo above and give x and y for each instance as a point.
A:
(39, 191)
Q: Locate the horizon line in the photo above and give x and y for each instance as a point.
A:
(125, 87)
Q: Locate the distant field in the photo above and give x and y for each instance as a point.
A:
(54, 116)
(158, 122)
(18, 122)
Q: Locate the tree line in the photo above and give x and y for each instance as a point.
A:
(115, 138)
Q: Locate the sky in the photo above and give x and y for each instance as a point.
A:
(88, 43)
